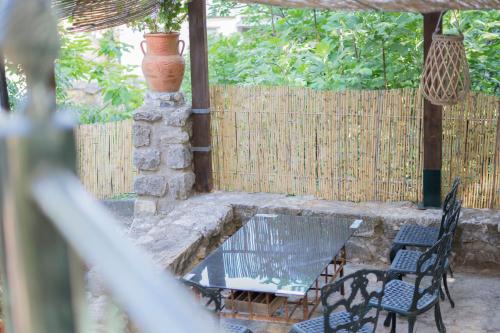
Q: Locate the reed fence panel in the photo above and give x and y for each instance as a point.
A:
(351, 145)
(471, 149)
(104, 156)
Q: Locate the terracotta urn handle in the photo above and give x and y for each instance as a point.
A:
(183, 45)
(142, 47)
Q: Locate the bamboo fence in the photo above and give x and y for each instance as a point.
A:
(104, 156)
(471, 149)
(351, 145)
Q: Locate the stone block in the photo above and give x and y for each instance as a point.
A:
(178, 117)
(148, 114)
(141, 135)
(166, 205)
(152, 185)
(142, 225)
(164, 99)
(145, 207)
(180, 184)
(173, 247)
(147, 159)
(179, 156)
(189, 127)
(174, 135)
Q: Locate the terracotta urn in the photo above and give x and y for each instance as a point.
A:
(163, 64)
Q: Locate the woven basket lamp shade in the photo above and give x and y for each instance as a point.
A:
(445, 80)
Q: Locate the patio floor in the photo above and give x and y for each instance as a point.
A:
(476, 296)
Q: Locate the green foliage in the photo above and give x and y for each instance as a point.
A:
(124, 196)
(167, 18)
(82, 60)
(482, 32)
(171, 15)
(72, 64)
(223, 8)
(186, 82)
(343, 50)
(16, 85)
(121, 90)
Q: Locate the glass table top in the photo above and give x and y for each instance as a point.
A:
(278, 254)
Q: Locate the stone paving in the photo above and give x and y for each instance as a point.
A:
(477, 304)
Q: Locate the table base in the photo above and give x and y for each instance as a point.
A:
(269, 307)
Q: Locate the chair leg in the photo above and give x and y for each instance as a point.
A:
(439, 320)
(393, 327)
(441, 292)
(411, 324)
(436, 316)
(388, 319)
(445, 282)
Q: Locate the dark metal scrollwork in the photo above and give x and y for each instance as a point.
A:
(356, 311)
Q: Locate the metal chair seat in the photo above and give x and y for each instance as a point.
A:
(422, 236)
(405, 262)
(417, 235)
(398, 297)
(234, 328)
(317, 325)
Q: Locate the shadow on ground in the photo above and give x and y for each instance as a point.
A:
(477, 300)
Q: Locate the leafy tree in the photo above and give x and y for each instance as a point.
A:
(121, 91)
(82, 60)
(482, 32)
(342, 50)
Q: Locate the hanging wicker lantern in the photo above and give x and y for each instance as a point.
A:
(445, 80)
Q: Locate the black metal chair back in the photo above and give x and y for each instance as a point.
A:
(215, 305)
(430, 265)
(451, 224)
(365, 285)
(449, 203)
(213, 296)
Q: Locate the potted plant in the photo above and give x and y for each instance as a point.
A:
(163, 64)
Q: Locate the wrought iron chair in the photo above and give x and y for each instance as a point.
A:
(356, 314)
(214, 304)
(412, 299)
(422, 236)
(405, 261)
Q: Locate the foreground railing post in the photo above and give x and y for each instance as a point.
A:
(37, 258)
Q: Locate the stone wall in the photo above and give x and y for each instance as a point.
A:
(162, 154)
(189, 233)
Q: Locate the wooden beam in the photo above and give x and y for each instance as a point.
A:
(201, 140)
(4, 93)
(433, 130)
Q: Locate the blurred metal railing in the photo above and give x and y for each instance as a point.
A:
(50, 227)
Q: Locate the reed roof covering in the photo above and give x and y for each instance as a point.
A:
(88, 15)
(99, 14)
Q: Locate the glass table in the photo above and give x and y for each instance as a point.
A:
(270, 266)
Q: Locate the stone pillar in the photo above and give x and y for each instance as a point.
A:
(162, 153)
